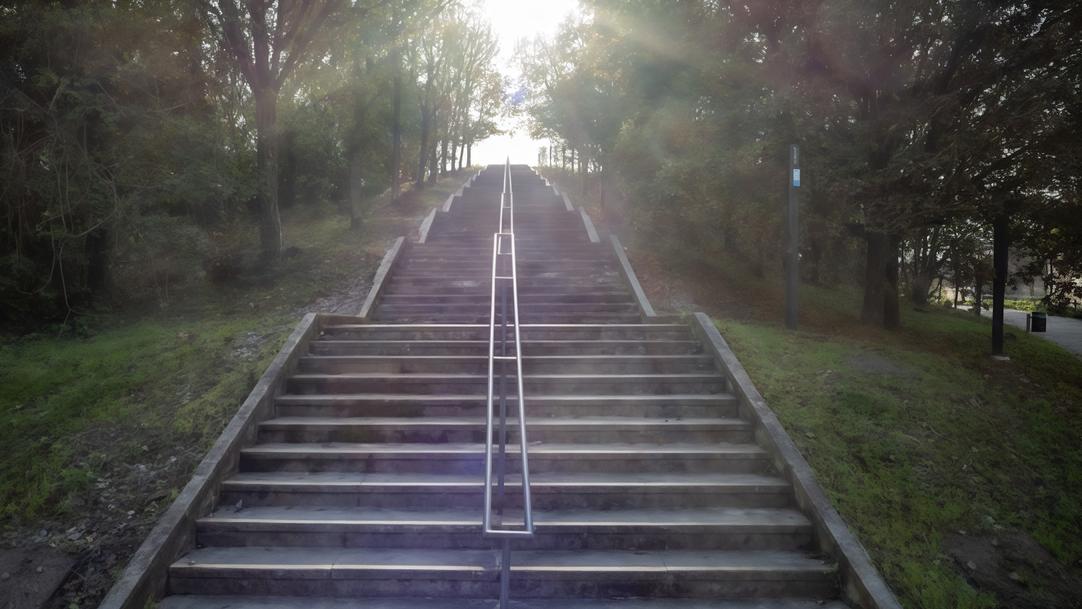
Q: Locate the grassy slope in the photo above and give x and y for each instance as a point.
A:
(915, 434)
(156, 391)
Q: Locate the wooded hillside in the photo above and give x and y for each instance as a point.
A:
(926, 129)
(144, 145)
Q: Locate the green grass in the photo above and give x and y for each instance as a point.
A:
(140, 388)
(140, 381)
(918, 434)
(1021, 304)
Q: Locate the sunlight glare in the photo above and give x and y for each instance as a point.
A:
(514, 20)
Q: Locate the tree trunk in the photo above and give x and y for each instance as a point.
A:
(266, 120)
(434, 161)
(957, 285)
(396, 122)
(469, 154)
(97, 261)
(875, 267)
(422, 154)
(356, 186)
(978, 289)
(287, 169)
(921, 285)
(1000, 251)
(434, 150)
(583, 164)
(892, 314)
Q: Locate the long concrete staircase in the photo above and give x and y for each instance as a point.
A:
(363, 490)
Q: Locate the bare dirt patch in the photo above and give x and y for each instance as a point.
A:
(29, 575)
(1016, 569)
(874, 363)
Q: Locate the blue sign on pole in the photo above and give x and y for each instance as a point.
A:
(796, 178)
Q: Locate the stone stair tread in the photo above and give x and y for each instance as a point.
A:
(525, 341)
(536, 448)
(290, 602)
(780, 563)
(329, 562)
(412, 376)
(473, 358)
(328, 559)
(182, 601)
(430, 326)
(531, 422)
(662, 603)
(355, 480)
(285, 517)
(435, 397)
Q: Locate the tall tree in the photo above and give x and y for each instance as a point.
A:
(268, 40)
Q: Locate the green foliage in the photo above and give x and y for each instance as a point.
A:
(102, 142)
(919, 124)
(130, 138)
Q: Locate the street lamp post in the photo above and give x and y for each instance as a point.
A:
(792, 240)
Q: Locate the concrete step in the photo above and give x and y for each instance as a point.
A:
(585, 308)
(485, 240)
(531, 364)
(478, 293)
(614, 529)
(540, 269)
(527, 318)
(478, 305)
(537, 405)
(633, 331)
(480, 347)
(586, 280)
(294, 602)
(547, 282)
(192, 601)
(473, 233)
(551, 271)
(482, 288)
(533, 244)
(368, 572)
(587, 490)
(468, 458)
(471, 429)
(535, 384)
(618, 296)
(483, 264)
(481, 259)
(528, 290)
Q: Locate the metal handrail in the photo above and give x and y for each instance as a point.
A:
(505, 237)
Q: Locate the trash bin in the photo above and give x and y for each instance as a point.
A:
(1038, 322)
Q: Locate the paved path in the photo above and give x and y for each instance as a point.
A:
(1064, 331)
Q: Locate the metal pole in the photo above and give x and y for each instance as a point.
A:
(502, 470)
(505, 574)
(792, 240)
